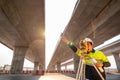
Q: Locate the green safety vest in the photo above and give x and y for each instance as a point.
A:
(97, 55)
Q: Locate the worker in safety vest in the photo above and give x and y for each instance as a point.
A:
(102, 61)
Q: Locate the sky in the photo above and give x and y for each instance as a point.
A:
(57, 16)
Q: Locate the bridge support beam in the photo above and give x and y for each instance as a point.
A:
(58, 66)
(36, 66)
(18, 59)
(117, 59)
(65, 67)
(40, 67)
(51, 68)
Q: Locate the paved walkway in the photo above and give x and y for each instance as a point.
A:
(49, 76)
(19, 77)
(55, 76)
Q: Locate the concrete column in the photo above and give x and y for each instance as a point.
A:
(58, 66)
(51, 68)
(76, 62)
(36, 66)
(18, 59)
(117, 60)
(40, 67)
(65, 67)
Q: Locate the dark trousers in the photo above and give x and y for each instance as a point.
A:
(92, 74)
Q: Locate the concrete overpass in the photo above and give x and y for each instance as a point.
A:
(22, 27)
(97, 19)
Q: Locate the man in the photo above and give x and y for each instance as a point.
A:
(101, 60)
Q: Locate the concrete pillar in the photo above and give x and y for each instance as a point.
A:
(40, 67)
(18, 59)
(65, 67)
(117, 60)
(36, 66)
(58, 66)
(51, 68)
(76, 62)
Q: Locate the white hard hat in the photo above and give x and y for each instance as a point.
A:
(88, 40)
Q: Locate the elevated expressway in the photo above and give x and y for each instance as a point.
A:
(22, 28)
(96, 19)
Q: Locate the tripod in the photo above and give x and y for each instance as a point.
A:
(81, 69)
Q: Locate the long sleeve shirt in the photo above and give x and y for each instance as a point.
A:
(96, 54)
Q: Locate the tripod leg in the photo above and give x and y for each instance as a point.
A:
(98, 71)
(78, 71)
(84, 66)
(81, 71)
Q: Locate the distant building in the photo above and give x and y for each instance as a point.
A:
(7, 67)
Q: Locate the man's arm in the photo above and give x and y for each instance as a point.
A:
(69, 43)
(105, 60)
(106, 64)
